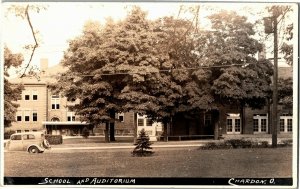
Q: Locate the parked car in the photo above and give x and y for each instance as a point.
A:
(32, 142)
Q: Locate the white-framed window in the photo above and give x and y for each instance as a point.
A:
(286, 123)
(149, 122)
(233, 123)
(55, 102)
(120, 117)
(140, 122)
(71, 116)
(260, 123)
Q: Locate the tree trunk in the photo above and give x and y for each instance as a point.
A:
(166, 130)
(112, 125)
(134, 127)
(106, 132)
(242, 118)
(216, 124)
(112, 131)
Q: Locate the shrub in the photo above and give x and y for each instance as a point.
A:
(288, 142)
(239, 143)
(54, 139)
(264, 144)
(142, 145)
(85, 132)
(7, 134)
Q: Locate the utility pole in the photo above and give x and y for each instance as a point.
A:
(271, 27)
(275, 81)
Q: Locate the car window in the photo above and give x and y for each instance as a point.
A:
(28, 137)
(16, 137)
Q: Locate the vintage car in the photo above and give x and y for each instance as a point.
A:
(32, 142)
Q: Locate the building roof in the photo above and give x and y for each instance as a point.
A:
(46, 76)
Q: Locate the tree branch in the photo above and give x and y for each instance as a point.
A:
(34, 37)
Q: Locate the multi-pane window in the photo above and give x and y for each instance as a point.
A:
(263, 125)
(289, 125)
(140, 122)
(255, 125)
(71, 116)
(237, 125)
(286, 123)
(55, 101)
(34, 116)
(148, 122)
(281, 124)
(229, 125)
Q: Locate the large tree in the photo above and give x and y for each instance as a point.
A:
(12, 92)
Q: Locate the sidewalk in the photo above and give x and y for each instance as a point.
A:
(128, 145)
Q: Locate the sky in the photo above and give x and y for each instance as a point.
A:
(61, 22)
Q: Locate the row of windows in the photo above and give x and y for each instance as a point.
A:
(34, 97)
(27, 115)
(260, 124)
(141, 122)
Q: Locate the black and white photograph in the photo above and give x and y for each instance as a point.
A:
(149, 94)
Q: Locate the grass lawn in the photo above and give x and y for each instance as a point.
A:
(173, 162)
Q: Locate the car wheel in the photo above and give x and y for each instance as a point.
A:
(33, 150)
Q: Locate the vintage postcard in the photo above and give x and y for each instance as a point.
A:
(149, 94)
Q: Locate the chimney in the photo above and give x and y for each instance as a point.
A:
(43, 64)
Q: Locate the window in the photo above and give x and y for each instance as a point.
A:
(18, 131)
(55, 102)
(71, 116)
(19, 118)
(34, 95)
(263, 125)
(27, 97)
(34, 130)
(255, 125)
(289, 125)
(140, 122)
(28, 137)
(26, 131)
(237, 125)
(34, 116)
(148, 122)
(281, 124)
(27, 115)
(16, 137)
(229, 125)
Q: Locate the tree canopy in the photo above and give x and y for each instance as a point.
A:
(12, 92)
(164, 66)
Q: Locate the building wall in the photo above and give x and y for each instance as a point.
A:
(29, 106)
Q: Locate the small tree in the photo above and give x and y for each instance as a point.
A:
(142, 145)
(85, 132)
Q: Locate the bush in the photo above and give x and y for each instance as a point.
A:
(239, 143)
(85, 132)
(7, 134)
(287, 142)
(54, 139)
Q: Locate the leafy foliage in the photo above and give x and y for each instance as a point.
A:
(142, 145)
(12, 92)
